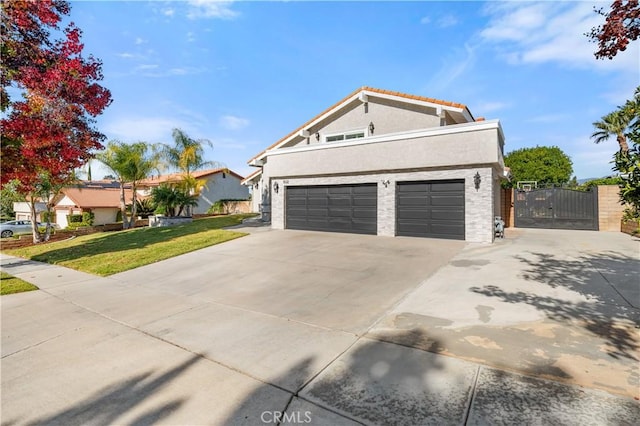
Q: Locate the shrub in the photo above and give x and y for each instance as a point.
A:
(223, 206)
(74, 218)
(48, 217)
(88, 218)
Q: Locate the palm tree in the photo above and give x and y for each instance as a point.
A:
(130, 163)
(187, 155)
(613, 124)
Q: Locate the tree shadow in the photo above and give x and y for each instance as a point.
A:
(375, 382)
(105, 406)
(260, 407)
(607, 312)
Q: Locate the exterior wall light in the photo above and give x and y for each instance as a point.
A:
(276, 187)
(371, 128)
(317, 136)
(476, 181)
(386, 183)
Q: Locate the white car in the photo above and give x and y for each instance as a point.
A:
(16, 227)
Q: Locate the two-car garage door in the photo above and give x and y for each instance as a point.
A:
(337, 208)
(432, 209)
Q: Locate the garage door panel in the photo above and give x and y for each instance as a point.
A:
(339, 208)
(433, 209)
(447, 200)
(365, 202)
(448, 215)
(448, 186)
(413, 187)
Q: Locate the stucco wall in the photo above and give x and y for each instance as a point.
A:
(479, 204)
(220, 188)
(387, 117)
(450, 150)
(104, 215)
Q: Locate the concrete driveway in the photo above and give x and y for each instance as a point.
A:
(325, 328)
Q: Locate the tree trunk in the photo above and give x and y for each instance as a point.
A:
(123, 207)
(622, 141)
(37, 238)
(134, 209)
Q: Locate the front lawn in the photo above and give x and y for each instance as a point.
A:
(108, 253)
(10, 284)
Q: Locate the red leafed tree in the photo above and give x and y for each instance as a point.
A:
(49, 131)
(622, 25)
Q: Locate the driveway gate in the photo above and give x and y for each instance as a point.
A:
(556, 208)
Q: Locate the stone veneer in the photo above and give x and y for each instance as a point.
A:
(479, 204)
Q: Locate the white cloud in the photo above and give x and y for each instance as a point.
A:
(148, 129)
(527, 33)
(487, 107)
(140, 40)
(463, 60)
(168, 12)
(210, 9)
(126, 55)
(425, 20)
(231, 122)
(447, 21)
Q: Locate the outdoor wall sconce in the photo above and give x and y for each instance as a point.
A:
(386, 183)
(476, 181)
(317, 136)
(276, 187)
(371, 128)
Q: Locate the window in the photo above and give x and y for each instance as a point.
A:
(355, 134)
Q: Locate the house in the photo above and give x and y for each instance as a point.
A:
(220, 184)
(385, 163)
(22, 210)
(102, 201)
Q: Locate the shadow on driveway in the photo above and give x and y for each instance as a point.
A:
(610, 312)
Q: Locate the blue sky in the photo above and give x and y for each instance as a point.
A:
(244, 74)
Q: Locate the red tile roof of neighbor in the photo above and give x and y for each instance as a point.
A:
(367, 89)
(97, 197)
(198, 174)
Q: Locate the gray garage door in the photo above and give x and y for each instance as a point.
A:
(433, 209)
(336, 208)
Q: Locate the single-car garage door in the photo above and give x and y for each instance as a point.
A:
(335, 208)
(433, 209)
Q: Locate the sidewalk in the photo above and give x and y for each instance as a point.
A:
(86, 349)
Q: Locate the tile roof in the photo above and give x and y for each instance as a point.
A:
(96, 197)
(172, 177)
(362, 89)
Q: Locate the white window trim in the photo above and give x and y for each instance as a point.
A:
(363, 130)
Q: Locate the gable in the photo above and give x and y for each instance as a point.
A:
(389, 112)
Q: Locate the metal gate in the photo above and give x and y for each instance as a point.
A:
(556, 208)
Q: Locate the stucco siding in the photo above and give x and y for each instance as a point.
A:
(220, 188)
(479, 204)
(104, 215)
(452, 150)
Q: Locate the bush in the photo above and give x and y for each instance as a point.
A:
(223, 206)
(74, 218)
(48, 217)
(88, 218)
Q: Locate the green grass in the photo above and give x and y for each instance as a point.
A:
(112, 252)
(10, 284)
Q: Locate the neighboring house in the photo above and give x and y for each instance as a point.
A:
(220, 184)
(23, 210)
(102, 201)
(385, 163)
